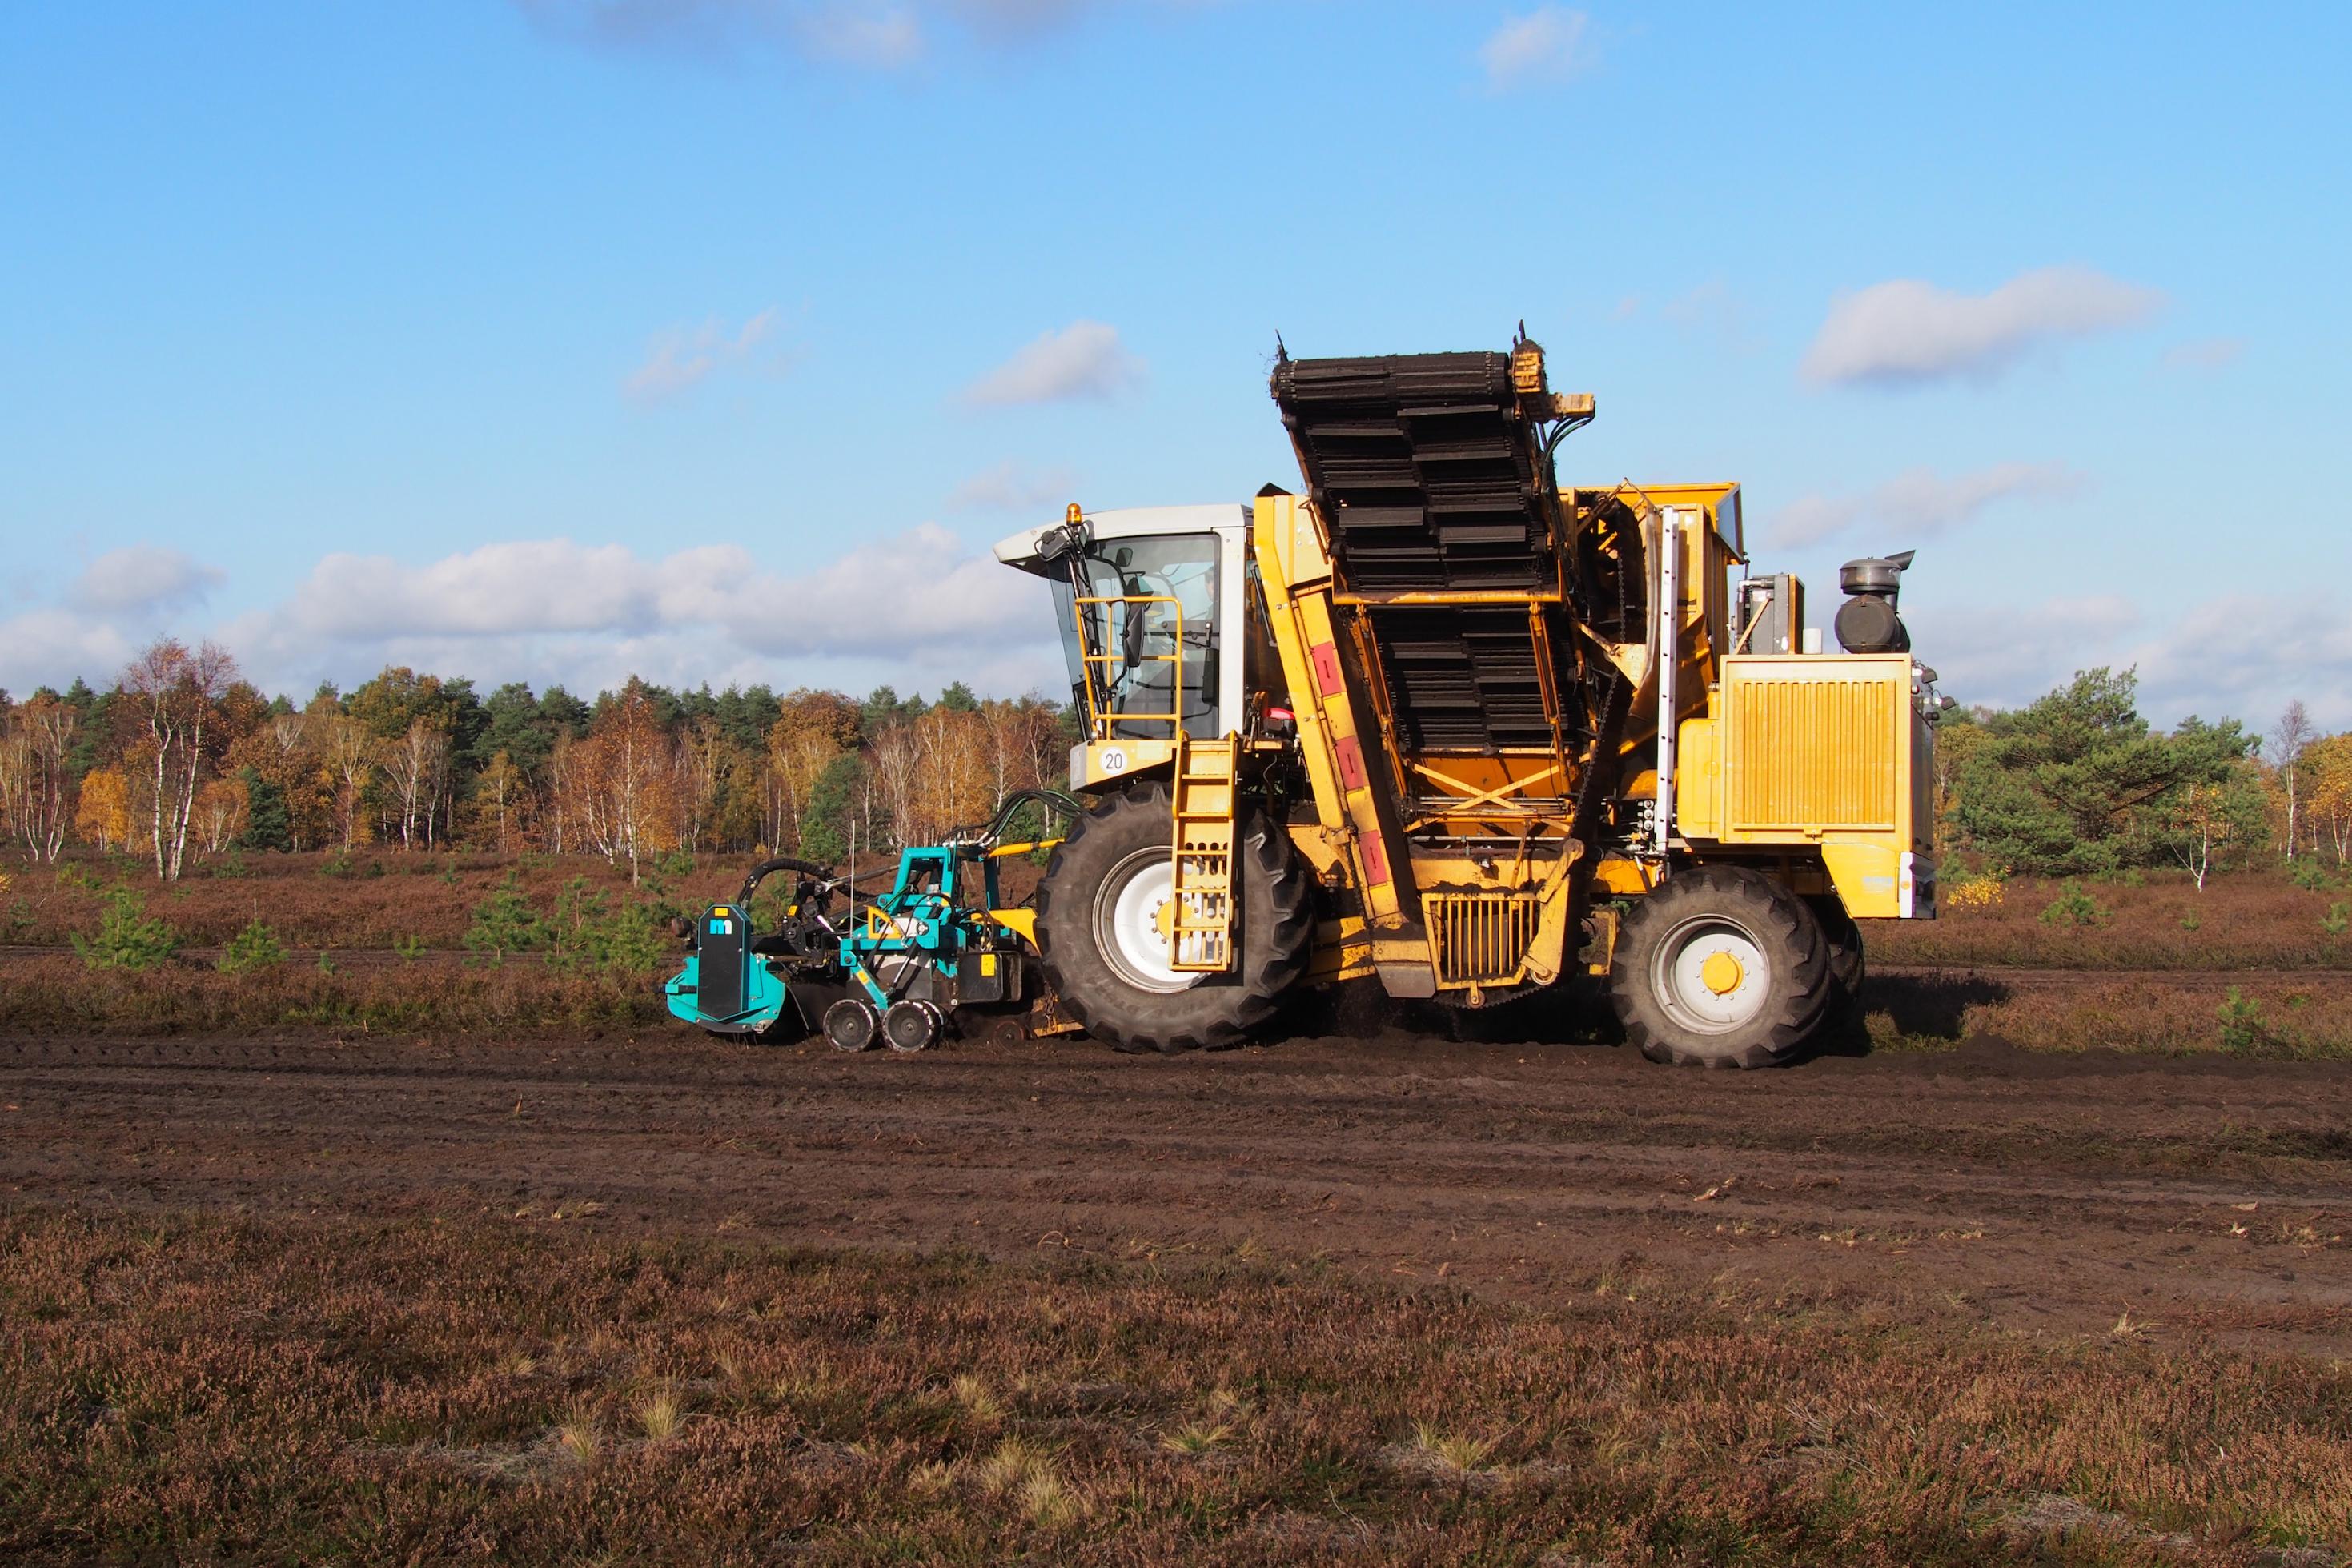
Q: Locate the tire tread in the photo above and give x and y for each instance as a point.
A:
(1782, 923)
(1274, 945)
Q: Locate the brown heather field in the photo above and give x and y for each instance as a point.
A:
(174, 1388)
(2248, 920)
(372, 899)
(2042, 1260)
(377, 898)
(2000, 970)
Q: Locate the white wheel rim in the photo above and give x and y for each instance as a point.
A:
(1128, 910)
(1681, 975)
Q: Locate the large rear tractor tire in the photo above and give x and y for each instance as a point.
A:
(1847, 967)
(1101, 936)
(1721, 967)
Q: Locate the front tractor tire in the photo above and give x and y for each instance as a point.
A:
(1102, 943)
(1721, 967)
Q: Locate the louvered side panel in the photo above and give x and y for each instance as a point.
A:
(1812, 754)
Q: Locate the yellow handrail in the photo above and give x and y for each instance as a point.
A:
(1097, 719)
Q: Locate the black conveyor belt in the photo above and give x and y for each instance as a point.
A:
(1430, 476)
(1424, 469)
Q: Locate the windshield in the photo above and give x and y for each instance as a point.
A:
(1125, 671)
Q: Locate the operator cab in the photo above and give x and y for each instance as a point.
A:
(1143, 597)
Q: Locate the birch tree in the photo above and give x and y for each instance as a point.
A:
(175, 691)
(2289, 739)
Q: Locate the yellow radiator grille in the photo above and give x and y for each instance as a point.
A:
(1813, 754)
(1480, 938)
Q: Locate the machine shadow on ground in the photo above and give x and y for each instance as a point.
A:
(1914, 1007)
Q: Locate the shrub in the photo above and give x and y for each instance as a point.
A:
(505, 922)
(127, 938)
(587, 935)
(2072, 906)
(2310, 875)
(1974, 892)
(2332, 923)
(2244, 1031)
(255, 947)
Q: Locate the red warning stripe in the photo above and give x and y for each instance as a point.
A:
(1327, 668)
(1376, 859)
(1351, 763)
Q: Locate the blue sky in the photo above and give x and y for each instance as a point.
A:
(717, 338)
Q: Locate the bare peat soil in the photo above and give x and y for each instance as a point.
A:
(2206, 1197)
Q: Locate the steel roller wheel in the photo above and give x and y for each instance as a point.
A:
(852, 1024)
(910, 1027)
(1102, 913)
(1721, 967)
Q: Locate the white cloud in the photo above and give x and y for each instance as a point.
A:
(2239, 656)
(52, 646)
(1920, 502)
(2204, 354)
(680, 357)
(144, 578)
(1015, 18)
(1711, 309)
(1908, 332)
(1083, 360)
(914, 588)
(2008, 654)
(1010, 488)
(1545, 45)
(2244, 656)
(879, 37)
(915, 607)
(874, 35)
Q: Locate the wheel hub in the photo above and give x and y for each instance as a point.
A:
(1135, 923)
(1712, 976)
(1721, 973)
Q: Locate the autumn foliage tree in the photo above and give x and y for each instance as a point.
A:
(37, 780)
(624, 781)
(173, 692)
(103, 817)
(2327, 770)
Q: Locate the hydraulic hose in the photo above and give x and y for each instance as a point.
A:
(766, 869)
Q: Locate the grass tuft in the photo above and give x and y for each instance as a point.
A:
(1455, 1451)
(1197, 1438)
(1010, 1467)
(1045, 1501)
(974, 1395)
(579, 1435)
(659, 1416)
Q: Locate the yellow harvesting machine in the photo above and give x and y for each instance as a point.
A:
(1439, 722)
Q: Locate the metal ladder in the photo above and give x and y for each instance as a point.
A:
(1200, 929)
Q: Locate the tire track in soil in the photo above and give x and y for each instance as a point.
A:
(1985, 1184)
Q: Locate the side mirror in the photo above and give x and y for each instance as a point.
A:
(1131, 637)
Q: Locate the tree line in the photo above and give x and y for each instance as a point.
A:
(181, 756)
(2078, 783)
